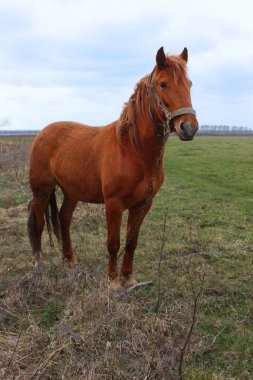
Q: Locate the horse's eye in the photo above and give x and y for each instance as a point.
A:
(163, 85)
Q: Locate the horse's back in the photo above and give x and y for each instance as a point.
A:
(55, 138)
(72, 154)
(60, 134)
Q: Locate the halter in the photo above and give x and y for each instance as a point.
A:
(168, 115)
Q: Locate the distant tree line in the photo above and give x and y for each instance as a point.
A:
(18, 132)
(224, 130)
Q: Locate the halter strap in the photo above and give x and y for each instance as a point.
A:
(182, 111)
(169, 115)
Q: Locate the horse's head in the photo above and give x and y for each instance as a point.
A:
(171, 87)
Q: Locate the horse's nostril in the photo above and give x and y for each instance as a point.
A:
(186, 128)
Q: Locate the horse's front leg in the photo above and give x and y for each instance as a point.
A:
(114, 211)
(135, 219)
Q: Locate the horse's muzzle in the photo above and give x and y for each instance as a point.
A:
(187, 131)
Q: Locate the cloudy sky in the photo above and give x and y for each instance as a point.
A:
(80, 59)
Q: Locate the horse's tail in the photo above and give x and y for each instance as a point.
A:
(52, 218)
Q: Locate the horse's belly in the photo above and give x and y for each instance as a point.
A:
(82, 188)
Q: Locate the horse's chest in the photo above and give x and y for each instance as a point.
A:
(145, 188)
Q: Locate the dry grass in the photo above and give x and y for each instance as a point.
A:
(14, 156)
(65, 324)
(14, 153)
(85, 333)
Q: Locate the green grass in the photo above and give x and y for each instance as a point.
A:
(209, 192)
(208, 197)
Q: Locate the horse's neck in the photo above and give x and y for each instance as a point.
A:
(152, 144)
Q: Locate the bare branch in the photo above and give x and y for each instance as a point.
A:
(193, 322)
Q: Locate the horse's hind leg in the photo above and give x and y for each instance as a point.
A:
(36, 224)
(66, 211)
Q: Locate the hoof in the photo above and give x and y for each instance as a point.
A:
(70, 260)
(37, 267)
(37, 262)
(115, 285)
(129, 280)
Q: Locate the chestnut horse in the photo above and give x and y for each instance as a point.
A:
(120, 165)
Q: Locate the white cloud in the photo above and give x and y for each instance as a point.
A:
(65, 59)
(33, 108)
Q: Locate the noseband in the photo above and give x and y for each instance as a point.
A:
(168, 115)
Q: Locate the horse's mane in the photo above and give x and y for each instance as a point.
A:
(126, 124)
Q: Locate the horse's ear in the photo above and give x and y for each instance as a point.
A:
(184, 54)
(160, 58)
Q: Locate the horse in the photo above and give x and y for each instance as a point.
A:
(119, 165)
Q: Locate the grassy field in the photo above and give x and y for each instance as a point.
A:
(64, 323)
